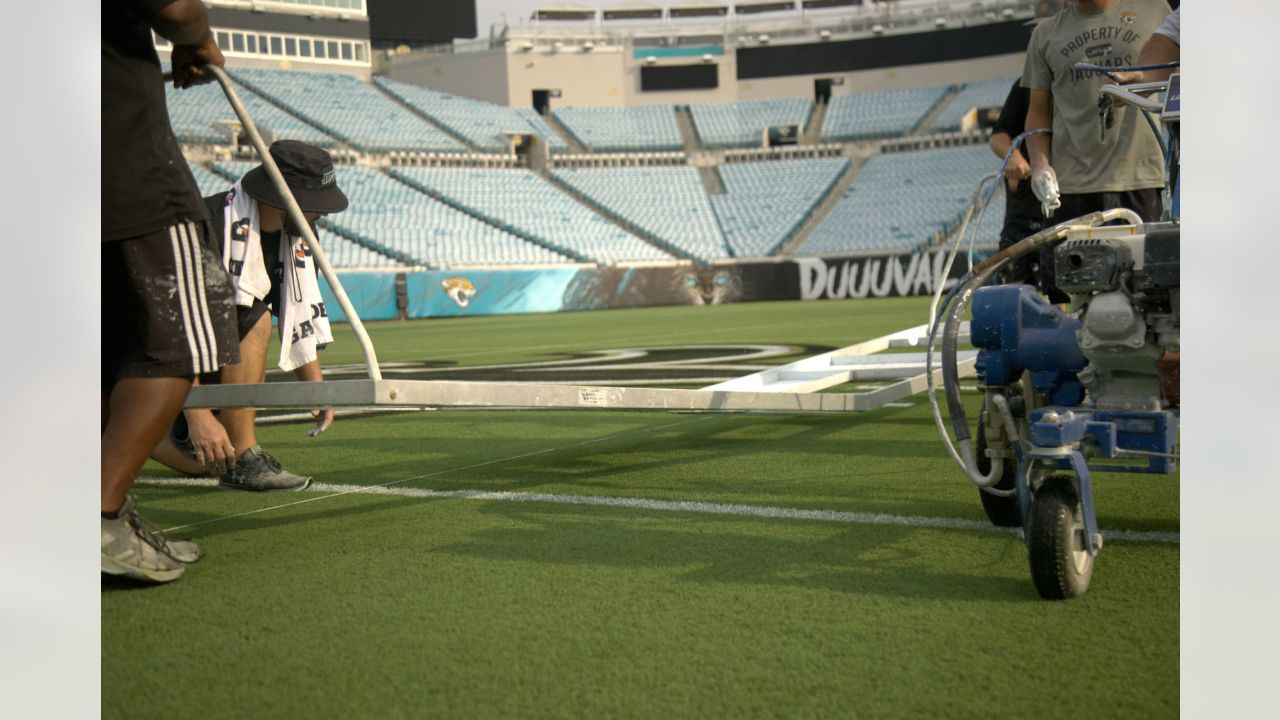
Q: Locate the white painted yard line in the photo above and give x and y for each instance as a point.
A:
(438, 473)
(706, 508)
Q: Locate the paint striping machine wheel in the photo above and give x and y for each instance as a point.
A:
(1002, 511)
(1061, 566)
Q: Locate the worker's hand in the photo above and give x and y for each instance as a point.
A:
(189, 60)
(1126, 77)
(1044, 183)
(324, 418)
(213, 448)
(1016, 171)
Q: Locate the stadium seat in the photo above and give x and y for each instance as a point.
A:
(531, 207)
(902, 201)
(667, 201)
(481, 123)
(884, 113)
(765, 202)
(742, 124)
(347, 108)
(621, 129)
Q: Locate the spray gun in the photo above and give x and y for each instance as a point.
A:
(1045, 186)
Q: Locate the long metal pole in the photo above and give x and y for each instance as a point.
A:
(370, 357)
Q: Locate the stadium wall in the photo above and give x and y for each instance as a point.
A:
(610, 74)
(459, 293)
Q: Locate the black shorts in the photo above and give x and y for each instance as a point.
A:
(167, 308)
(1144, 201)
(1034, 268)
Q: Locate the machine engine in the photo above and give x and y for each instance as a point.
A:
(1124, 289)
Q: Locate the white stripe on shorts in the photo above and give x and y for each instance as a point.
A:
(188, 296)
(205, 318)
(199, 300)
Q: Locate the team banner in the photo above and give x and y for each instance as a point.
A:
(457, 293)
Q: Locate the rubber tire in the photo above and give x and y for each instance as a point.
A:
(1001, 511)
(1060, 567)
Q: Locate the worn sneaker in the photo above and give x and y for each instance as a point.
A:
(183, 551)
(258, 470)
(129, 548)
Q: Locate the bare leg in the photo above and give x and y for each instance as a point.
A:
(169, 455)
(141, 410)
(251, 369)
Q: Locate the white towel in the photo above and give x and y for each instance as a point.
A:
(304, 323)
(303, 320)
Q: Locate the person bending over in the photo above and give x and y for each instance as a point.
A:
(272, 270)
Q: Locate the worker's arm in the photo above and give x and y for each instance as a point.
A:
(185, 23)
(1158, 50)
(1017, 170)
(1040, 115)
(310, 372)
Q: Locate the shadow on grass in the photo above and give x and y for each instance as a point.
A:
(864, 560)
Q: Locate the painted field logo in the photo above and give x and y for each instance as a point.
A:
(460, 290)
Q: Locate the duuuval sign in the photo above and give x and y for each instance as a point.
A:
(885, 276)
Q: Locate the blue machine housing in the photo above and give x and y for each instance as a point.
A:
(1016, 329)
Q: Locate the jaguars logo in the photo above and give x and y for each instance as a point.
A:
(1128, 17)
(460, 290)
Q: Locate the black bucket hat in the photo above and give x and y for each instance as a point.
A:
(307, 170)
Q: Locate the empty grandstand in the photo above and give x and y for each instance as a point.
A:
(902, 202)
(742, 124)
(765, 202)
(667, 202)
(482, 124)
(528, 206)
(347, 108)
(886, 113)
(985, 94)
(611, 129)
(409, 227)
(196, 114)
(684, 175)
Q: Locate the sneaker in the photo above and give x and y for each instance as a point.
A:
(129, 548)
(183, 551)
(258, 470)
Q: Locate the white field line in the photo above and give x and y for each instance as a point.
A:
(706, 508)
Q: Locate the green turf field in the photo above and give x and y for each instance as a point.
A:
(630, 564)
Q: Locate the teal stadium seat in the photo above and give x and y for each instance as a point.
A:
(481, 123)
(883, 113)
(667, 201)
(766, 202)
(349, 109)
(987, 93)
(901, 200)
(648, 128)
(741, 124)
(532, 207)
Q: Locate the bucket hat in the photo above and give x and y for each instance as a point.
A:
(309, 173)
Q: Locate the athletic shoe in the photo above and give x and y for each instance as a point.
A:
(257, 470)
(183, 551)
(129, 548)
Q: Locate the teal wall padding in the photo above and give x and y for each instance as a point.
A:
(373, 294)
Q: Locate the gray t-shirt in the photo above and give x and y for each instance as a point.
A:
(1129, 158)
